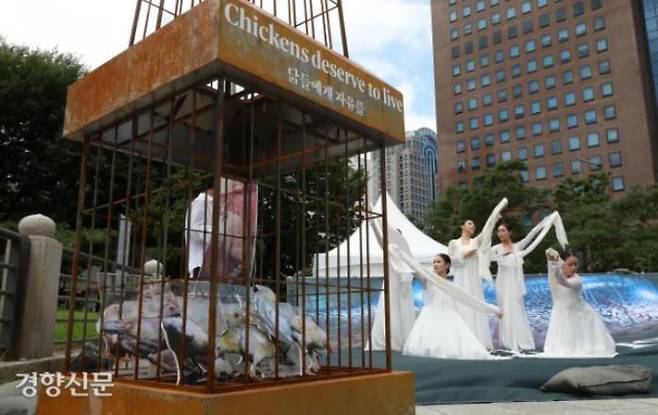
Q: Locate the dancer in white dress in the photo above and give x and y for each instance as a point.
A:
(439, 330)
(515, 331)
(575, 329)
(469, 269)
(402, 312)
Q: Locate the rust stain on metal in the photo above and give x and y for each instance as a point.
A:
(216, 35)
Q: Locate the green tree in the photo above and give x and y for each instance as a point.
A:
(39, 169)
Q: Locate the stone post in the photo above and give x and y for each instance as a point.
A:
(37, 330)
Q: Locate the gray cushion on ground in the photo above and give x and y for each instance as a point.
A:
(601, 380)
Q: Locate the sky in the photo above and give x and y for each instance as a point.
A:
(391, 38)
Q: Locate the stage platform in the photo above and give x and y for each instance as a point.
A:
(442, 381)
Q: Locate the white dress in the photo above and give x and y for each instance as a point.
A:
(440, 331)
(468, 275)
(575, 329)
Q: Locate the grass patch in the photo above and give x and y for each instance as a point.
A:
(78, 326)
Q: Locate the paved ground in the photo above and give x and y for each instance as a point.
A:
(594, 407)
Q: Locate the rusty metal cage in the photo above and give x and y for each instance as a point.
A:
(234, 299)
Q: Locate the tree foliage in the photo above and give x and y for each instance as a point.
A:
(39, 168)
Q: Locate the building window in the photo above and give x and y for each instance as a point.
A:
(520, 132)
(607, 89)
(466, 11)
(522, 153)
(574, 143)
(516, 70)
(551, 103)
(473, 123)
(530, 46)
(588, 94)
(556, 147)
(506, 155)
(572, 121)
(468, 47)
(484, 61)
(593, 140)
(475, 143)
(453, 2)
(499, 56)
(595, 163)
(576, 166)
(459, 127)
(504, 136)
(497, 37)
(526, 7)
(535, 107)
(578, 8)
(532, 66)
(537, 128)
(486, 100)
(454, 34)
(491, 160)
(511, 12)
(500, 75)
(503, 115)
(514, 51)
(470, 84)
(459, 107)
(612, 134)
(540, 173)
(461, 166)
(585, 71)
(610, 112)
(461, 147)
(479, 6)
(601, 45)
(501, 95)
(454, 52)
(472, 103)
(597, 4)
(560, 15)
(550, 82)
(618, 184)
(565, 56)
(482, 23)
(567, 77)
(541, 3)
(546, 41)
(489, 139)
(549, 61)
(533, 87)
(468, 29)
(457, 89)
(485, 80)
(456, 70)
(517, 90)
(495, 18)
(604, 67)
(590, 116)
(539, 150)
(582, 50)
(544, 20)
(563, 35)
(614, 159)
(599, 23)
(558, 169)
(488, 119)
(581, 29)
(554, 125)
(483, 42)
(519, 112)
(470, 65)
(524, 176)
(527, 26)
(569, 99)
(512, 32)
(453, 16)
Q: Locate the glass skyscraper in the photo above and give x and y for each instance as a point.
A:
(651, 25)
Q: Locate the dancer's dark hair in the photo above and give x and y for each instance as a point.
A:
(446, 259)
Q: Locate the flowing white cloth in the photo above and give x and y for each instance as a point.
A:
(402, 313)
(469, 272)
(198, 225)
(439, 330)
(515, 331)
(575, 329)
